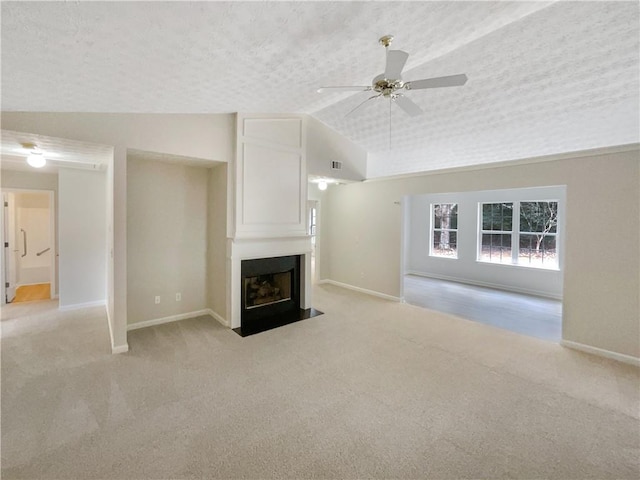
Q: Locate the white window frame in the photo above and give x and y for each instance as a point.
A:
(515, 234)
(432, 230)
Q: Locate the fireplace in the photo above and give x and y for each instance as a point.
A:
(270, 294)
(267, 289)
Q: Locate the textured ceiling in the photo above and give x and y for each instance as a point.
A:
(543, 77)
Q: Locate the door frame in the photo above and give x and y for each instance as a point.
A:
(53, 274)
(405, 226)
(9, 252)
(316, 246)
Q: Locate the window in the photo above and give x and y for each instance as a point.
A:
(497, 232)
(312, 221)
(519, 233)
(538, 231)
(313, 212)
(444, 230)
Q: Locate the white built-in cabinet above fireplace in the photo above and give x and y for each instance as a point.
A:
(270, 177)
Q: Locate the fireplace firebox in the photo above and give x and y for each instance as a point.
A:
(271, 294)
(263, 290)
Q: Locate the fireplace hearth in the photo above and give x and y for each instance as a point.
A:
(271, 294)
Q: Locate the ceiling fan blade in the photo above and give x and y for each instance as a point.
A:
(408, 105)
(343, 89)
(361, 104)
(449, 81)
(395, 63)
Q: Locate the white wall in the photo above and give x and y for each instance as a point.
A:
(14, 179)
(270, 176)
(313, 192)
(362, 243)
(324, 145)
(268, 205)
(465, 267)
(83, 237)
(166, 239)
(33, 216)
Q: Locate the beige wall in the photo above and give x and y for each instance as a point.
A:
(199, 136)
(362, 237)
(217, 241)
(166, 239)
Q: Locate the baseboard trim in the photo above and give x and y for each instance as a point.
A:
(78, 306)
(218, 317)
(169, 319)
(120, 349)
(360, 289)
(115, 349)
(33, 283)
(600, 352)
(106, 307)
(524, 291)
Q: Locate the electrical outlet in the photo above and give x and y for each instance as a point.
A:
(178, 297)
(157, 299)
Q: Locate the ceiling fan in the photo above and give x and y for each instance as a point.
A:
(389, 84)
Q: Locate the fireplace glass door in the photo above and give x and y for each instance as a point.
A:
(267, 289)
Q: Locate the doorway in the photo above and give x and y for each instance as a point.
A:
(29, 260)
(313, 215)
(449, 273)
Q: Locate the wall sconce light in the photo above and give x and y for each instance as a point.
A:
(322, 185)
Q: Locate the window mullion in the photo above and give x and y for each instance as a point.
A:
(515, 234)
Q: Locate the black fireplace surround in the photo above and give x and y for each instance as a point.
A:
(270, 294)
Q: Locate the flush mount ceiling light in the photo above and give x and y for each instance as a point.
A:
(323, 182)
(36, 160)
(36, 156)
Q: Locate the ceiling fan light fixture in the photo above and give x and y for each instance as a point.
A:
(36, 160)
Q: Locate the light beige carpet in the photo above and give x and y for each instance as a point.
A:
(371, 389)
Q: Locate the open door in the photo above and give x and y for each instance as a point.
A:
(10, 247)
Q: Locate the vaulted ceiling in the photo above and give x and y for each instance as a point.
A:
(544, 77)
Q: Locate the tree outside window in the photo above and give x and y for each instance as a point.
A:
(444, 230)
(519, 233)
(538, 231)
(497, 231)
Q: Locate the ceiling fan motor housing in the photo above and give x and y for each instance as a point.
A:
(386, 86)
